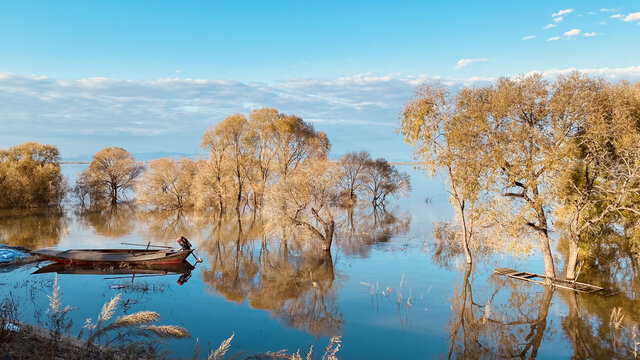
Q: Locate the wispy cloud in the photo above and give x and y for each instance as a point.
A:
(558, 19)
(466, 62)
(549, 26)
(590, 34)
(562, 12)
(571, 33)
(632, 17)
(616, 16)
(528, 37)
(553, 38)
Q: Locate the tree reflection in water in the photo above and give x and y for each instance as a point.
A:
(33, 228)
(509, 319)
(287, 276)
(362, 226)
(293, 283)
(112, 221)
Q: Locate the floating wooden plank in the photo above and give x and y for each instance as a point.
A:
(545, 280)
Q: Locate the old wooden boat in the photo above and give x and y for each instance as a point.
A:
(114, 257)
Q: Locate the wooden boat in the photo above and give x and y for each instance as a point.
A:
(545, 280)
(114, 257)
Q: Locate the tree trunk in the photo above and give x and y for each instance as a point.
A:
(328, 235)
(545, 247)
(572, 261)
(465, 234)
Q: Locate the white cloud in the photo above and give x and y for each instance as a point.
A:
(466, 62)
(558, 19)
(632, 17)
(549, 26)
(553, 38)
(616, 16)
(608, 9)
(528, 37)
(81, 116)
(590, 34)
(631, 73)
(178, 71)
(562, 12)
(572, 33)
(591, 13)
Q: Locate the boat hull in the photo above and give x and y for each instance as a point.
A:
(114, 257)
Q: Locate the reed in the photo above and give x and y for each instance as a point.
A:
(221, 350)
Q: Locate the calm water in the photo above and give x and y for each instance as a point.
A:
(385, 289)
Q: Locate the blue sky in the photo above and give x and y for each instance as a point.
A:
(153, 75)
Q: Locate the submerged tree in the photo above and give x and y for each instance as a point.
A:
(30, 176)
(167, 184)
(111, 173)
(599, 188)
(306, 198)
(352, 179)
(383, 180)
(451, 142)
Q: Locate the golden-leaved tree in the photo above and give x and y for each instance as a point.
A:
(167, 184)
(111, 173)
(599, 187)
(30, 176)
(567, 149)
(451, 142)
(306, 198)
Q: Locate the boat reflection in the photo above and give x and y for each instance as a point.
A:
(182, 269)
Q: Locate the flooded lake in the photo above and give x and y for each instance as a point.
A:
(387, 289)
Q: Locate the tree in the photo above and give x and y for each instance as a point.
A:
(167, 184)
(110, 174)
(262, 135)
(381, 180)
(306, 198)
(599, 186)
(450, 142)
(352, 167)
(30, 176)
(296, 142)
(227, 143)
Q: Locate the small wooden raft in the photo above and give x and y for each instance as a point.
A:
(544, 280)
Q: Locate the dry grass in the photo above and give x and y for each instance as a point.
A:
(166, 331)
(221, 350)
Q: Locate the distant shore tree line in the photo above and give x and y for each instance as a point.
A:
(525, 157)
(269, 165)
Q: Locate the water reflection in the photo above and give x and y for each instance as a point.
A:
(363, 226)
(299, 290)
(296, 285)
(33, 228)
(113, 221)
(166, 225)
(509, 319)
